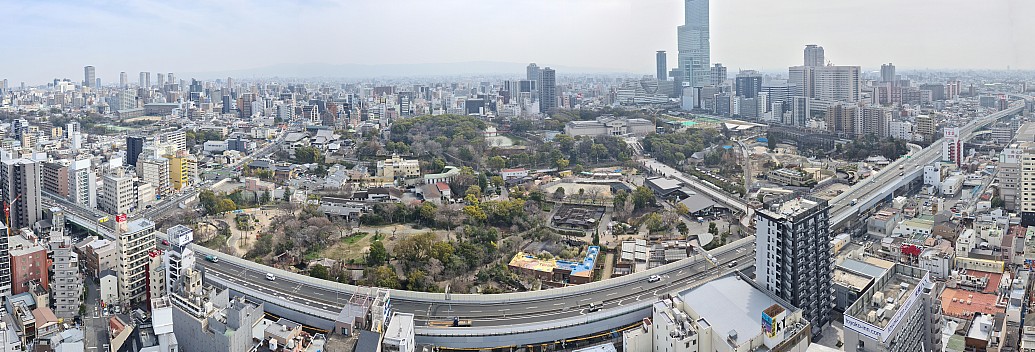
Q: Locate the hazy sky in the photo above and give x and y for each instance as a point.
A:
(43, 39)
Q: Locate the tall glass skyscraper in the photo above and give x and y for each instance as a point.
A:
(694, 46)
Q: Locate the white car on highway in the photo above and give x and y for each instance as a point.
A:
(270, 277)
(654, 278)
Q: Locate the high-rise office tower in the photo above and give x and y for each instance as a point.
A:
(229, 104)
(547, 90)
(172, 79)
(836, 83)
(662, 62)
(792, 255)
(694, 45)
(123, 80)
(145, 80)
(749, 84)
(801, 77)
(161, 80)
(532, 72)
(717, 75)
(887, 72)
(89, 76)
(779, 93)
(800, 111)
(20, 180)
(134, 146)
(814, 55)
(195, 90)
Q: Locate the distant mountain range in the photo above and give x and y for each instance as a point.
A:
(474, 68)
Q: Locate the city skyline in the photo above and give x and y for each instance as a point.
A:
(171, 39)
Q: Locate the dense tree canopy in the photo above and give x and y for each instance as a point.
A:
(449, 137)
(675, 148)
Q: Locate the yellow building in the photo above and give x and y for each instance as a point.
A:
(179, 170)
(397, 167)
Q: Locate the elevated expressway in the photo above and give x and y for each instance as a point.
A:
(878, 187)
(508, 319)
(522, 318)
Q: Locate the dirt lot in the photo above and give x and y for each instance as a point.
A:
(239, 242)
(603, 191)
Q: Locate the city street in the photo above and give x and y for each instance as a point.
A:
(94, 321)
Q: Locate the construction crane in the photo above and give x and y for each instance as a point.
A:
(7, 213)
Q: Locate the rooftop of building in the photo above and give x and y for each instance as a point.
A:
(850, 279)
(879, 304)
(863, 268)
(283, 329)
(991, 280)
(44, 316)
(732, 304)
(792, 207)
(963, 304)
(399, 326)
(528, 261)
(665, 183)
(885, 214)
(19, 246)
(139, 225)
(981, 327)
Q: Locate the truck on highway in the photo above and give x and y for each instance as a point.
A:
(854, 201)
(456, 322)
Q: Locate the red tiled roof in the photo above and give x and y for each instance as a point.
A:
(993, 279)
(979, 303)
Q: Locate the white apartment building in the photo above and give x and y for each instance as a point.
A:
(179, 257)
(155, 170)
(118, 194)
(135, 240)
(82, 183)
(901, 130)
(1027, 188)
